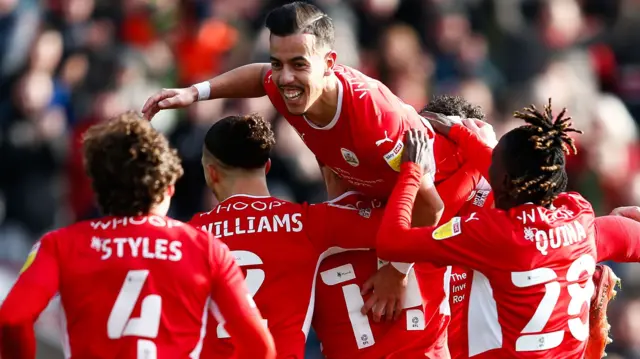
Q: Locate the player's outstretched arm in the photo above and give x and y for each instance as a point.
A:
(456, 189)
(242, 82)
(617, 239)
(242, 319)
(29, 296)
(472, 147)
(459, 241)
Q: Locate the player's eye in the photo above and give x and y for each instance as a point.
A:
(276, 65)
(300, 65)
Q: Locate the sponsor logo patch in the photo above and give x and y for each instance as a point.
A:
(394, 156)
(448, 230)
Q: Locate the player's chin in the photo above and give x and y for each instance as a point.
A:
(296, 109)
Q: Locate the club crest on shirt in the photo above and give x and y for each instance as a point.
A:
(448, 230)
(394, 156)
(365, 212)
(31, 257)
(350, 157)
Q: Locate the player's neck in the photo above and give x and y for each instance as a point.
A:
(324, 109)
(248, 186)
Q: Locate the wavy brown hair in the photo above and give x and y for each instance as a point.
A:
(130, 164)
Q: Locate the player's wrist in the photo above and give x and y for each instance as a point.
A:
(201, 91)
(403, 268)
(411, 168)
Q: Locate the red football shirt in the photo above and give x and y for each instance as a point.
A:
(461, 279)
(363, 143)
(279, 245)
(532, 283)
(345, 333)
(132, 287)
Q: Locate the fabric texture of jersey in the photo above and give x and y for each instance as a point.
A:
(363, 143)
(279, 246)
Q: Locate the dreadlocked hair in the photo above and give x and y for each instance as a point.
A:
(539, 170)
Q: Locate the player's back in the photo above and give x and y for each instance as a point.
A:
(530, 299)
(346, 333)
(268, 238)
(133, 287)
(363, 143)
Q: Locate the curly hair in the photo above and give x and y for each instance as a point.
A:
(536, 154)
(241, 141)
(130, 164)
(454, 106)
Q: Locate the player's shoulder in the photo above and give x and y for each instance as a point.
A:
(573, 200)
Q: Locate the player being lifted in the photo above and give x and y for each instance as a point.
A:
(534, 255)
(352, 123)
(337, 323)
(135, 283)
(279, 244)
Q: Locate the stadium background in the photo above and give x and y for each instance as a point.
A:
(66, 64)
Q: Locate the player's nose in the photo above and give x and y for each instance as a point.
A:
(287, 77)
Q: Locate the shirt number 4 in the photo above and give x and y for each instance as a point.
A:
(579, 296)
(120, 324)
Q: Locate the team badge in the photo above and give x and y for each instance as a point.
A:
(350, 157)
(394, 156)
(365, 212)
(448, 230)
(31, 257)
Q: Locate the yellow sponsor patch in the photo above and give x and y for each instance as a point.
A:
(394, 156)
(448, 230)
(31, 257)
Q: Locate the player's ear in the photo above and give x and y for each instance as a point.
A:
(267, 167)
(214, 175)
(330, 62)
(171, 190)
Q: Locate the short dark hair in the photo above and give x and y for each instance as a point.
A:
(535, 155)
(130, 164)
(301, 18)
(241, 141)
(454, 106)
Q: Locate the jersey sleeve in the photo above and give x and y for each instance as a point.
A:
(472, 148)
(455, 190)
(36, 285)
(18, 342)
(459, 241)
(330, 225)
(242, 319)
(617, 239)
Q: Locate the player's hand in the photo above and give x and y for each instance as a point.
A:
(440, 123)
(481, 129)
(631, 212)
(419, 150)
(389, 286)
(169, 99)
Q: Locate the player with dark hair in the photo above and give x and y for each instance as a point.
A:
(280, 244)
(422, 332)
(534, 254)
(352, 123)
(135, 283)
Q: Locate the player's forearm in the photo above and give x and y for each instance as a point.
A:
(17, 342)
(618, 239)
(396, 240)
(456, 189)
(474, 150)
(242, 82)
(428, 207)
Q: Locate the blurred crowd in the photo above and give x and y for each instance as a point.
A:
(67, 64)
